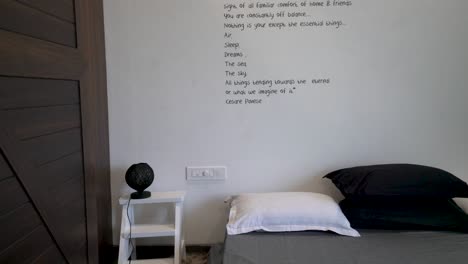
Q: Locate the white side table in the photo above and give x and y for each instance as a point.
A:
(150, 230)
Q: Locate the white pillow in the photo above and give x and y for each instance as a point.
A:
(283, 212)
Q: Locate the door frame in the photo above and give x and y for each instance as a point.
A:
(93, 88)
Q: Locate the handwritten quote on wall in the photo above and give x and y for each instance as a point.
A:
(244, 87)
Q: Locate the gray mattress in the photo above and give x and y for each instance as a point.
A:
(374, 247)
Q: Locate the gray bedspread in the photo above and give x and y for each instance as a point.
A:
(374, 247)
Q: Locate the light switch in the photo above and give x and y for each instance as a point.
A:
(209, 173)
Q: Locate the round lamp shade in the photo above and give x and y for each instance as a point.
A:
(139, 177)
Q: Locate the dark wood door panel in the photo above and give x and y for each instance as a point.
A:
(20, 222)
(57, 173)
(17, 93)
(50, 148)
(50, 176)
(53, 127)
(63, 9)
(5, 171)
(25, 19)
(12, 195)
(62, 208)
(44, 145)
(75, 240)
(28, 249)
(51, 255)
(26, 56)
(36, 122)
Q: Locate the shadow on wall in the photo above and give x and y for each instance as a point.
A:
(163, 213)
(315, 183)
(299, 183)
(216, 210)
(117, 189)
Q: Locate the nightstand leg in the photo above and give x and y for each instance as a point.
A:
(177, 239)
(132, 221)
(124, 253)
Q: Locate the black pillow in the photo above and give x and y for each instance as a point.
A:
(398, 180)
(405, 214)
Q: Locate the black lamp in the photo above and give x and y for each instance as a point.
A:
(139, 177)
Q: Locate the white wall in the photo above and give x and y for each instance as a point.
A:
(398, 94)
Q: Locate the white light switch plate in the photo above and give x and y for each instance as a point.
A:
(207, 173)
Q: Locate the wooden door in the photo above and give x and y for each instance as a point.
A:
(54, 167)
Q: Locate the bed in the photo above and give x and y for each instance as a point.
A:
(389, 205)
(373, 247)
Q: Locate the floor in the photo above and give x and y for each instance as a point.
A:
(197, 258)
(195, 254)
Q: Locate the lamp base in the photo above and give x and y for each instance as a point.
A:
(140, 195)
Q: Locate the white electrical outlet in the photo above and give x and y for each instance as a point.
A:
(209, 173)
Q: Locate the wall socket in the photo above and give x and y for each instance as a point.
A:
(208, 173)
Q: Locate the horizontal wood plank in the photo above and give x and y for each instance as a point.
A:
(12, 189)
(23, 56)
(17, 224)
(156, 197)
(5, 171)
(63, 9)
(36, 23)
(50, 148)
(35, 122)
(149, 230)
(32, 92)
(28, 249)
(56, 173)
